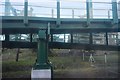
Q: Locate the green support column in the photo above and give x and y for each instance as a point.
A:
(42, 68)
(58, 13)
(114, 12)
(42, 57)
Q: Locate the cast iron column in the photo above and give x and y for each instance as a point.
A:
(42, 57)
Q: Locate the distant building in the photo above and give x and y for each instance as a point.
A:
(113, 39)
(99, 38)
(79, 38)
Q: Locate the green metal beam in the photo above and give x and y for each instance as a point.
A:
(57, 31)
(88, 6)
(91, 9)
(65, 23)
(59, 45)
(114, 12)
(58, 13)
(26, 12)
(7, 8)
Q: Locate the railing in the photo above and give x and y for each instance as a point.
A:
(84, 38)
(99, 10)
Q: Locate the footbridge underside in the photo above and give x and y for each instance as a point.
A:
(100, 34)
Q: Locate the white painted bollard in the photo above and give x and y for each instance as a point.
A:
(105, 57)
(42, 74)
(91, 59)
(83, 56)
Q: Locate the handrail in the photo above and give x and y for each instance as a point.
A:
(73, 9)
(53, 7)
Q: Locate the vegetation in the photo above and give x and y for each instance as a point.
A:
(64, 66)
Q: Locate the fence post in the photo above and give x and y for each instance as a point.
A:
(108, 14)
(106, 35)
(52, 13)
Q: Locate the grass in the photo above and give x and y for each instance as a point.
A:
(67, 62)
(17, 74)
(70, 66)
(22, 68)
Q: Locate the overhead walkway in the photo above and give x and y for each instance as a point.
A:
(66, 30)
(65, 27)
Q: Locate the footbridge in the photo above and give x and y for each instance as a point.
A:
(87, 26)
(89, 29)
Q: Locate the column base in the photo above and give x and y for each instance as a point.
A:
(41, 74)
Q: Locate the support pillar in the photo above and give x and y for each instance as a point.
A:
(106, 35)
(26, 12)
(114, 12)
(71, 38)
(73, 13)
(51, 37)
(89, 11)
(7, 8)
(42, 68)
(6, 37)
(64, 38)
(119, 10)
(58, 13)
(52, 13)
(91, 39)
(30, 37)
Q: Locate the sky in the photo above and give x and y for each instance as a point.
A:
(60, 0)
(39, 9)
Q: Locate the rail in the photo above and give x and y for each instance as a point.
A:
(98, 10)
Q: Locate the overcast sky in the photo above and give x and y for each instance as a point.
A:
(39, 10)
(61, 0)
